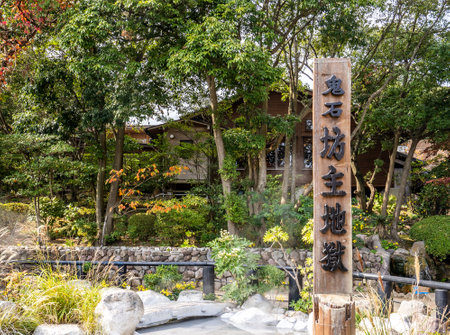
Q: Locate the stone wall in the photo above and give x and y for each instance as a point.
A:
(372, 262)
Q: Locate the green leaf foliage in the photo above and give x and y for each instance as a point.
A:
(435, 231)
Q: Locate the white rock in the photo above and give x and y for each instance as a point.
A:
(376, 326)
(258, 301)
(226, 315)
(190, 295)
(399, 323)
(301, 325)
(163, 313)
(285, 324)
(254, 315)
(68, 329)
(310, 322)
(151, 298)
(426, 324)
(119, 311)
(410, 307)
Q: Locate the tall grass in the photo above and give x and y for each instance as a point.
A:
(54, 296)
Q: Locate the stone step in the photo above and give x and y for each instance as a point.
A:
(176, 311)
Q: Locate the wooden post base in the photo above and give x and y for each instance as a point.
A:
(334, 314)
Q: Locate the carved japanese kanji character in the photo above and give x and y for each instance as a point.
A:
(334, 220)
(333, 111)
(332, 259)
(338, 147)
(334, 86)
(333, 183)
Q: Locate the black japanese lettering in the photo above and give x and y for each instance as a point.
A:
(333, 111)
(334, 86)
(332, 259)
(334, 220)
(333, 184)
(338, 147)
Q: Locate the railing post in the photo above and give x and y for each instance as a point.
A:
(294, 293)
(122, 272)
(442, 305)
(79, 270)
(208, 279)
(384, 293)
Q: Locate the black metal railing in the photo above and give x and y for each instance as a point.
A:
(441, 288)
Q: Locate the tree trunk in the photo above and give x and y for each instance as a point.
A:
(113, 191)
(100, 186)
(360, 189)
(220, 147)
(401, 191)
(294, 168)
(286, 172)
(390, 175)
(37, 211)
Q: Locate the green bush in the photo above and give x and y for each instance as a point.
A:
(191, 216)
(435, 231)
(17, 207)
(165, 278)
(433, 199)
(141, 226)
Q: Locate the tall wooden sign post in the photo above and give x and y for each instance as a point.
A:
(334, 312)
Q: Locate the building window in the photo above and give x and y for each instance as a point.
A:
(308, 125)
(307, 152)
(275, 158)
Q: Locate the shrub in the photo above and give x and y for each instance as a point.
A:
(230, 254)
(164, 279)
(434, 198)
(191, 216)
(435, 231)
(141, 226)
(17, 207)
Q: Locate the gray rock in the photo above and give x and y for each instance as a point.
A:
(301, 325)
(375, 325)
(385, 261)
(151, 298)
(119, 311)
(400, 252)
(68, 329)
(190, 295)
(174, 311)
(410, 307)
(310, 322)
(373, 242)
(254, 315)
(418, 248)
(258, 301)
(400, 323)
(426, 324)
(285, 324)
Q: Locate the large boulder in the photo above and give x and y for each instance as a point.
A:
(400, 323)
(175, 311)
(119, 311)
(190, 295)
(418, 248)
(68, 329)
(254, 315)
(258, 301)
(151, 298)
(410, 307)
(426, 324)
